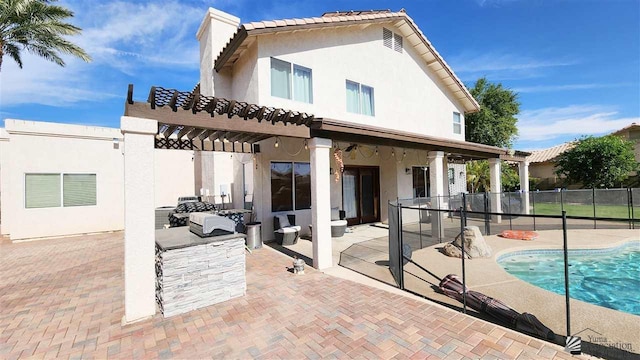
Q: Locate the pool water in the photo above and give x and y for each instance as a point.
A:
(607, 277)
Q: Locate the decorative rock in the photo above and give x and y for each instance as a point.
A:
(298, 266)
(451, 250)
(474, 244)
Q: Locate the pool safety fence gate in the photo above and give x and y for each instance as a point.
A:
(420, 223)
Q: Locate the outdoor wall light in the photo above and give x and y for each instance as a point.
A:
(116, 143)
(376, 151)
(306, 146)
(277, 142)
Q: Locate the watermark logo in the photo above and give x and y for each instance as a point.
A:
(574, 343)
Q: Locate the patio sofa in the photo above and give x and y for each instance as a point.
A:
(285, 229)
(180, 216)
(338, 223)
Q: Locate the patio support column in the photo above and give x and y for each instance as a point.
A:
(496, 186)
(436, 182)
(139, 233)
(523, 167)
(319, 150)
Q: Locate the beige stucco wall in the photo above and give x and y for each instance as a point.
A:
(408, 96)
(41, 147)
(395, 181)
(543, 170)
(174, 176)
(38, 147)
(4, 181)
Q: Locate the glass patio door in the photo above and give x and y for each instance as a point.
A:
(361, 194)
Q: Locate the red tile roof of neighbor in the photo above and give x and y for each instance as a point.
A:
(549, 154)
(400, 20)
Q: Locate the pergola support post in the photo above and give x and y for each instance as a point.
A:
(496, 188)
(319, 150)
(436, 183)
(523, 167)
(139, 232)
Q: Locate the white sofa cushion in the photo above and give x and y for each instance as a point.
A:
(289, 230)
(284, 220)
(339, 223)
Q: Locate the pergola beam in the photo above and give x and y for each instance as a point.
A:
(202, 120)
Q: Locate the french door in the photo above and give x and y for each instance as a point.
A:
(361, 194)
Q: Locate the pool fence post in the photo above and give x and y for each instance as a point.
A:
(510, 212)
(400, 244)
(420, 220)
(463, 220)
(629, 207)
(593, 198)
(533, 202)
(633, 216)
(487, 226)
(561, 200)
(566, 270)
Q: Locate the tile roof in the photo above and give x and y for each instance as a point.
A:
(233, 50)
(629, 127)
(549, 154)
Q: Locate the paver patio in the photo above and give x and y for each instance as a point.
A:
(63, 298)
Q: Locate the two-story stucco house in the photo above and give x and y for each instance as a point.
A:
(370, 77)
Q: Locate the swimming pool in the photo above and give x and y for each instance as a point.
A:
(605, 277)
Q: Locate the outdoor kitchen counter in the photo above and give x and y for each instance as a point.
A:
(181, 237)
(194, 272)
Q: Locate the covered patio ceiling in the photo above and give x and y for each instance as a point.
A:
(190, 120)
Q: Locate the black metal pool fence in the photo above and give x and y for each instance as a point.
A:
(418, 223)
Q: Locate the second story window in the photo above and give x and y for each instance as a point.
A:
(360, 99)
(457, 123)
(291, 81)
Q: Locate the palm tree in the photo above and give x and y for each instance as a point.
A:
(478, 179)
(37, 26)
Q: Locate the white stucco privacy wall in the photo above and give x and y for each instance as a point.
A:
(42, 147)
(4, 180)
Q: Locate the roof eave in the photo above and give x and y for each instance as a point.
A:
(242, 34)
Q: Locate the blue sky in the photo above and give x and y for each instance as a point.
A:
(575, 64)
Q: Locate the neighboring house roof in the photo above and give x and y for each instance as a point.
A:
(633, 126)
(549, 154)
(400, 20)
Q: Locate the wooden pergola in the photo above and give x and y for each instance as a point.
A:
(190, 120)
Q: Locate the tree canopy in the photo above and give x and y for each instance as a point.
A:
(39, 27)
(478, 176)
(495, 123)
(598, 162)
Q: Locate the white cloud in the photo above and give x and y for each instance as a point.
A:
(503, 66)
(575, 120)
(123, 38)
(552, 88)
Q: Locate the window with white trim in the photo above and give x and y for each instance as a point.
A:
(452, 176)
(56, 190)
(392, 40)
(360, 99)
(291, 81)
(457, 123)
(290, 186)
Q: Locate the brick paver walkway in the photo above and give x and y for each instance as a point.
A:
(64, 299)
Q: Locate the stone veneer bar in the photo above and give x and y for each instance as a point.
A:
(194, 272)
